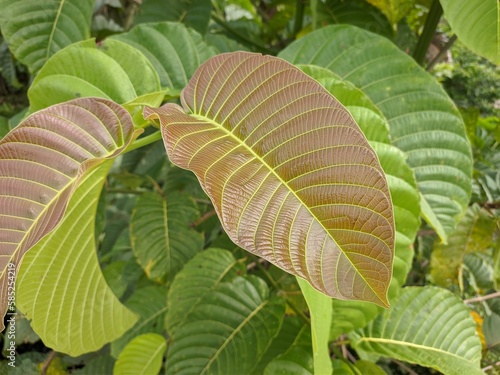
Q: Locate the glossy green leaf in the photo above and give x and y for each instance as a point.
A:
(41, 163)
(200, 275)
(477, 25)
(60, 285)
(320, 310)
(149, 303)
(174, 50)
(296, 184)
(111, 70)
(423, 120)
(36, 30)
(473, 234)
(193, 13)
(142, 356)
(446, 342)
(161, 236)
(228, 331)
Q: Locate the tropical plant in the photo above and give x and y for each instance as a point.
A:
(174, 200)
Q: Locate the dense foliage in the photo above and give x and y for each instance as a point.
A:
(169, 205)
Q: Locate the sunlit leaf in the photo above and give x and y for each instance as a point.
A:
(446, 342)
(174, 50)
(193, 13)
(465, 16)
(161, 236)
(111, 70)
(423, 121)
(473, 234)
(290, 174)
(60, 285)
(394, 10)
(142, 356)
(228, 331)
(41, 163)
(35, 30)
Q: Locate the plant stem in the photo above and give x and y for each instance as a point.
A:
(144, 141)
(203, 218)
(482, 298)
(299, 17)
(446, 47)
(435, 13)
(47, 362)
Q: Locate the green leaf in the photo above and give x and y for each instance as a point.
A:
(42, 161)
(36, 30)
(423, 120)
(480, 271)
(149, 303)
(161, 236)
(228, 331)
(464, 16)
(60, 285)
(102, 365)
(200, 275)
(193, 13)
(223, 44)
(142, 356)
(473, 234)
(320, 309)
(174, 50)
(281, 177)
(111, 70)
(447, 342)
(4, 126)
(394, 10)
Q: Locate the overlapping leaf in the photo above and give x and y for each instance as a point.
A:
(424, 122)
(394, 10)
(290, 174)
(174, 50)
(111, 70)
(142, 356)
(35, 30)
(447, 342)
(60, 285)
(160, 234)
(41, 162)
(477, 25)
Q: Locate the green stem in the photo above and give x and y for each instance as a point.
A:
(144, 141)
(299, 17)
(435, 13)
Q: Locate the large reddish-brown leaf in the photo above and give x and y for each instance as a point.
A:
(41, 162)
(290, 174)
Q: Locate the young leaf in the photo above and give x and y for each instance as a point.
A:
(423, 120)
(160, 234)
(290, 174)
(394, 10)
(447, 342)
(228, 331)
(142, 356)
(41, 163)
(60, 285)
(464, 17)
(35, 30)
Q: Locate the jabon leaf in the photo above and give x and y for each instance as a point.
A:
(289, 172)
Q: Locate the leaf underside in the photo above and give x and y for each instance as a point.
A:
(290, 174)
(41, 162)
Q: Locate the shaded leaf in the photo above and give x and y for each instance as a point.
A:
(102, 365)
(283, 183)
(149, 303)
(474, 233)
(480, 269)
(464, 17)
(143, 355)
(111, 70)
(447, 342)
(41, 163)
(193, 13)
(199, 276)
(174, 50)
(423, 120)
(36, 30)
(228, 331)
(60, 285)
(223, 44)
(161, 237)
